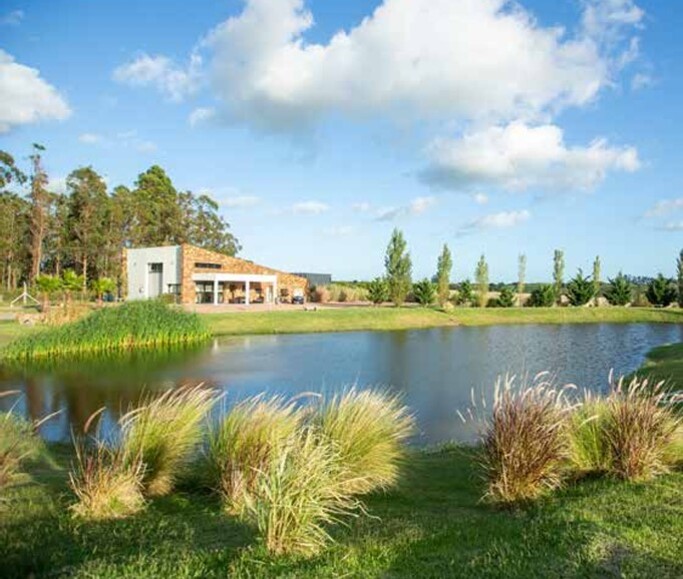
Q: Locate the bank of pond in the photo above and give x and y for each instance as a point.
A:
(316, 484)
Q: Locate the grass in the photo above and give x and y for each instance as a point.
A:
(19, 443)
(432, 525)
(132, 325)
(665, 363)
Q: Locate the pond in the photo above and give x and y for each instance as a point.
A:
(435, 369)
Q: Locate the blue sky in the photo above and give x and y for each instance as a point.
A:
(497, 128)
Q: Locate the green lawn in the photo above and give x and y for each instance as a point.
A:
(433, 525)
(665, 363)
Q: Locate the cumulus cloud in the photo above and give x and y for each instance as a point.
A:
(641, 80)
(480, 198)
(26, 98)
(240, 201)
(172, 80)
(310, 208)
(145, 147)
(518, 156)
(340, 231)
(469, 59)
(416, 207)
(12, 18)
(90, 138)
(665, 207)
(501, 220)
(672, 226)
(362, 207)
(201, 115)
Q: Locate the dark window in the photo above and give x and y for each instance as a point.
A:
(156, 267)
(200, 265)
(174, 288)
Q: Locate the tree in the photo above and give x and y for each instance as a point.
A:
(580, 290)
(619, 291)
(543, 296)
(9, 172)
(398, 267)
(378, 292)
(88, 205)
(506, 299)
(679, 271)
(443, 275)
(596, 278)
(101, 286)
(40, 209)
(465, 293)
(15, 239)
(47, 285)
(661, 292)
(521, 274)
(481, 276)
(70, 283)
(558, 273)
(424, 292)
(203, 226)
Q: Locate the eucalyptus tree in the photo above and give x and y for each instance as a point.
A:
(40, 209)
(398, 267)
(679, 271)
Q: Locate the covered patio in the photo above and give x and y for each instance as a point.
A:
(234, 288)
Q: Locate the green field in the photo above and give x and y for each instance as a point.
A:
(433, 525)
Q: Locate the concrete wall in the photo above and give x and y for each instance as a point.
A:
(137, 266)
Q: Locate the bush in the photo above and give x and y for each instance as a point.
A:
(506, 299)
(542, 297)
(368, 428)
(163, 432)
(424, 292)
(640, 430)
(245, 443)
(661, 292)
(19, 442)
(297, 495)
(524, 443)
(136, 324)
(320, 295)
(378, 291)
(107, 484)
(465, 293)
(580, 290)
(589, 450)
(619, 292)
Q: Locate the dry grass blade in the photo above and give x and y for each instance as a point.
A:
(163, 432)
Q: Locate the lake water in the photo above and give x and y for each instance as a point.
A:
(435, 369)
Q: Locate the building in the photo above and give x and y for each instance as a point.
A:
(316, 279)
(198, 276)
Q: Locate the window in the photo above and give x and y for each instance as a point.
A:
(156, 267)
(200, 265)
(174, 288)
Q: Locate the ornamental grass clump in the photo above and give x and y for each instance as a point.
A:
(525, 446)
(641, 430)
(107, 483)
(589, 450)
(137, 324)
(299, 495)
(248, 439)
(163, 433)
(369, 429)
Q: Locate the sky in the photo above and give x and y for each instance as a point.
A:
(496, 127)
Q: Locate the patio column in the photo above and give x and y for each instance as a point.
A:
(247, 290)
(215, 292)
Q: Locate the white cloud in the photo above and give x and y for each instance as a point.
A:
(90, 138)
(240, 201)
(416, 207)
(501, 220)
(361, 207)
(201, 115)
(310, 208)
(480, 198)
(26, 98)
(672, 226)
(174, 81)
(340, 231)
(57, 185)
(665, 207)
(641, 80)
(519, 156)
(466, 59)
(145, 147)
(12, 18)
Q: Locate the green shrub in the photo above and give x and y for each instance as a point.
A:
(542, 297)
(589, 450)
(580, 290)
(424, 292)
(368, 428)
(507, 298)
(241, 448)
(378, 291)
(465, 293)
(661, 292)
(136, 324)
(298, 495)
(163, 432)
(620, 291)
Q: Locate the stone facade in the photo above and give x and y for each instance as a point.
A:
(193, 258)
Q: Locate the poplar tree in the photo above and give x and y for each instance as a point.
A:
(521, 274)
(398, 268)
(443, 275)
(596, 278)
(558, 273)
(481, 276)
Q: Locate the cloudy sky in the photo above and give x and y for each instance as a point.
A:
(497, 127)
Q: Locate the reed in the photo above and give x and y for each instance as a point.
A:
(369, 429)
(138, 324)
(164, 432)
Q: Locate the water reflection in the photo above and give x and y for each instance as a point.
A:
(435, 369)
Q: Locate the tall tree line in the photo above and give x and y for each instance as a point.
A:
(86, 227)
